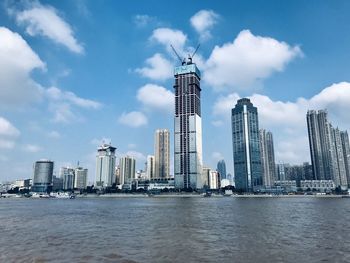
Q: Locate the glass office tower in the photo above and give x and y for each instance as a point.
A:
(246, 148)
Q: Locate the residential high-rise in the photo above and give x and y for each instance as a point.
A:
(150, 167)
(162, 154)
(221, 168)
(319, 132)
(80, 180)
(188, 127)
(346, 152)
(246, 148)
(267, 158)
(105, 166)
(67, 175)
(42, 179)
(340, 178)
(327, 149)
(127, 170)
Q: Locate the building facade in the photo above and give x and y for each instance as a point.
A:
(127, 170)
(188, 127)
(150, 167)
(328, 151)
(81, 176)
(346, 152)
(162, 154)
(246, 146)
(267, 157)
(68, 176)
(221, 168)
(105, 166)
(43, 174)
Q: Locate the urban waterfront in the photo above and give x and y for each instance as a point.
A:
(175, 230)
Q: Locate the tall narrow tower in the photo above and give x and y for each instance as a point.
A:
(105, 166)
(188, 127)
(162, 153)
(246, 146)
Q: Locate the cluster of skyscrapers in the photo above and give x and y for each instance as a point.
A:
(253, 151)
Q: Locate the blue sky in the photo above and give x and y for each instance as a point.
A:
(74, 73)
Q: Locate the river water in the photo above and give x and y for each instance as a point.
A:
(175, 230)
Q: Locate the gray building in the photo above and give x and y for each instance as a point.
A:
(328, 155)
(221, 168)
(150, 167)
(246, 146)
(67, 175)
(43, 173)
(127, 170)
(188, 127)
(346, 152)
(80, 179)
(105, 166)
(162, 153)
(267, 158)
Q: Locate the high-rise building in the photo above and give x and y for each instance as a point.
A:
(127, 170)
(105, 166)
(246, 148)
(339, 171)
(326, 149)
(42, 179)
(280, 170)
(80, 180)
(150, 167)
(162, 154)
(188, 127)
(346, 152)
(267, 158)
(319, 132)
(67, 175)
(221, 168)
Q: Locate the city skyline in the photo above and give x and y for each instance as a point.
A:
(70, 90)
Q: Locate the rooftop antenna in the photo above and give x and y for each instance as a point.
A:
(190, 57)
(182, 61)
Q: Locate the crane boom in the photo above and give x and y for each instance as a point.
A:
(194, 53)
(176, 54)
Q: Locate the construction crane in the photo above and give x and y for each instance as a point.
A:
(190, 57)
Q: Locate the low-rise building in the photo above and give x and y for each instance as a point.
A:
(317, 185)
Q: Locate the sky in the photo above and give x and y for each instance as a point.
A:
(74, 74)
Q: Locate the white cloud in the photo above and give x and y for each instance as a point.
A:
(133, 119)
(31, 148)
(44, 20)
(287, 120)
(168, 36)
(158, 68)
(7, 128)
(100, 141)
(54, 135)
(143, 20)
(64, 104)
(203, 21)
(246, 61)
(17, 61)
(156, 97)
(6, 144)
(217, 156)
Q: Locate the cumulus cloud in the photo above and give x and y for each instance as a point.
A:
(287, 119)
(17, 61)
(31, 148)
(45, 21)
(54, 135)
(138, 156)
(203, 21)
(158, 68)
(168, 36)
(143, 20)
(65, 104)
(156, 97)
(8, 134)
(7, 128)
(246, 61)
(133, 119)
